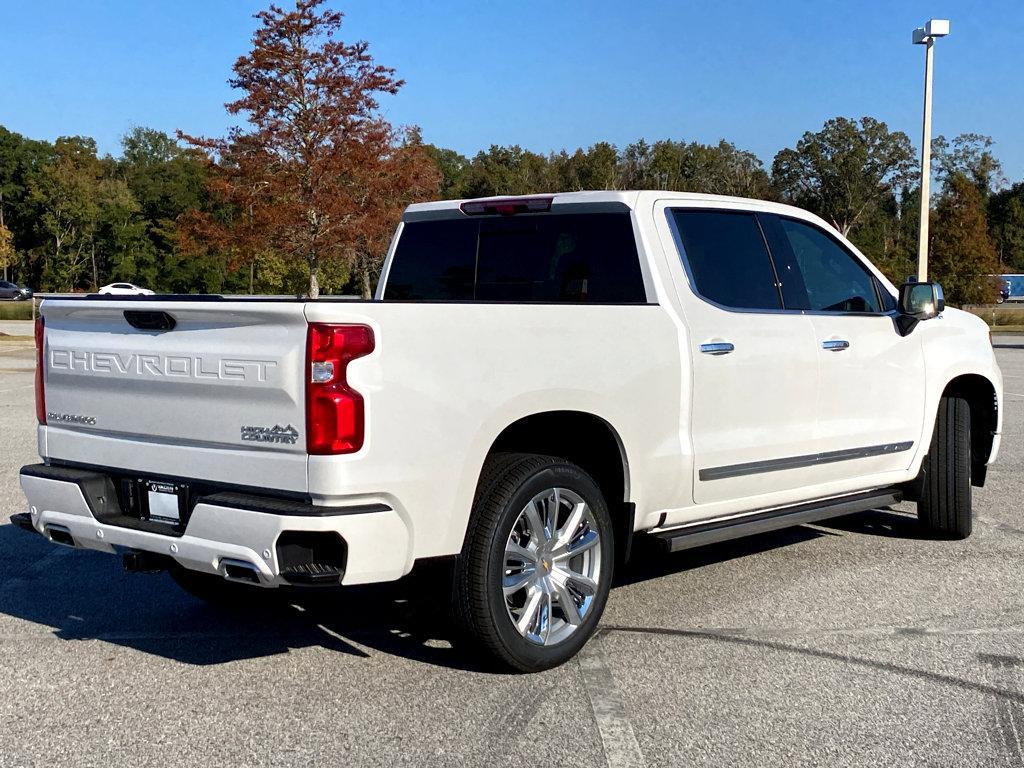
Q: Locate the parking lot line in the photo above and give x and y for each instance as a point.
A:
(617, 737)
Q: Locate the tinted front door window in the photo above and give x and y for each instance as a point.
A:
(830, 278)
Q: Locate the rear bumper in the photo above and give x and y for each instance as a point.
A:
(221, 528)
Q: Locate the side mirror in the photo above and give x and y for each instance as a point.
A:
(921, 301)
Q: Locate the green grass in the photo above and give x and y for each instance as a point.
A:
(1000, 317)
(15, 310)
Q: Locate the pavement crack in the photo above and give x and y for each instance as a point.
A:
(769, 632)
(998, 526)
(886, 667)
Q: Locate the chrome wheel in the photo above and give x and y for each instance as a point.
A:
(552, 566)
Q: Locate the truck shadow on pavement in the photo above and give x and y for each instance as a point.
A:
(880, 523)
(80, 595)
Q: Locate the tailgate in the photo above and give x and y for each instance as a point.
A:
(219, 396)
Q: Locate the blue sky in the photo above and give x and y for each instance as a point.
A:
(545, 75)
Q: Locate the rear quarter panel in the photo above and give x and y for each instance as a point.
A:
(445, 379)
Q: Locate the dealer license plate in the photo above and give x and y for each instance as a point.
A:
(164, 502)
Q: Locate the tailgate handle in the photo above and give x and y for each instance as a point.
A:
(150, 320)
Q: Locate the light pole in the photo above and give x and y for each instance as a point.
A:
(926, 36)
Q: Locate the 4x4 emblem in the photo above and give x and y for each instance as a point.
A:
(275, 434)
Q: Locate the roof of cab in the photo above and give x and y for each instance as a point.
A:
(628, 198)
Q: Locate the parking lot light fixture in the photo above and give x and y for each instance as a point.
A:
(926, 36)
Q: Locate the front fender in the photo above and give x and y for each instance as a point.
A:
(957, 344)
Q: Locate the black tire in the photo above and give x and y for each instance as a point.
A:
(217, 591)
(508, 482)
(944, 507)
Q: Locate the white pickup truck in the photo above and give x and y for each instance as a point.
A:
(537, 380)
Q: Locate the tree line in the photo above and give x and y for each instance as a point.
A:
(303, 196)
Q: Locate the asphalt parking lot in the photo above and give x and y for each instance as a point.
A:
(849, 643)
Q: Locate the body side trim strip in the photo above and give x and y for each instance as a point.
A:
(806, 460)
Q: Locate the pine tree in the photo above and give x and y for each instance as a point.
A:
(963, 257)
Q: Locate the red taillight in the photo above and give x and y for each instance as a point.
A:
(40, 392)
(334, 411)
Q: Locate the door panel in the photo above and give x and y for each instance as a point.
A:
(754, 405)
(872, 394)
(754, 367)
(871, 379)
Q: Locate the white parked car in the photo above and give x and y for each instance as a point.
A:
(537, 381)
(126, 289)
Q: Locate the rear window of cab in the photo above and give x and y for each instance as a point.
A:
(550, 258)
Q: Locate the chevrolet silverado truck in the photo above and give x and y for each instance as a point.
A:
(537, 380)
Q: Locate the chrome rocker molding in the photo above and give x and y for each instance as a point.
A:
(806, 460)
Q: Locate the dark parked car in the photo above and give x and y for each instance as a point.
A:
(13, 291)
(1004, 292)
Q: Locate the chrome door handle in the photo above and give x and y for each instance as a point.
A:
(717, 348)
(836, 345)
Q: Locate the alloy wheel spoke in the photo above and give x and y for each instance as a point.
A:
(567, 603)
(544, 617)
(581, 545)
(534, 519)
(554, 503)
(513, 583)
(529, 614)
(581, 583)
(516, 552)
(567, 532)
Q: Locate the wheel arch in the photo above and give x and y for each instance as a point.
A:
(588, 441)
(980, 394)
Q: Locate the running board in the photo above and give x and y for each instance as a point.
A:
(781, 518)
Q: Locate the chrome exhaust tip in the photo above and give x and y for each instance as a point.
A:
(61, 535)
(234, 570)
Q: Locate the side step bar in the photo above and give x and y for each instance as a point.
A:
(782, 518)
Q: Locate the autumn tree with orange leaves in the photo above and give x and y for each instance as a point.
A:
(316, 174)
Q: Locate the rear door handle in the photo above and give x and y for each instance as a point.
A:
(836, 345)
(717, 348)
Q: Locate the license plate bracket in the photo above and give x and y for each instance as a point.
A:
(165, 502)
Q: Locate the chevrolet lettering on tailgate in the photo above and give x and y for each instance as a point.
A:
(161, 366)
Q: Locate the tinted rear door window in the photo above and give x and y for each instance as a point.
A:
(728, 259)
(544, 258)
